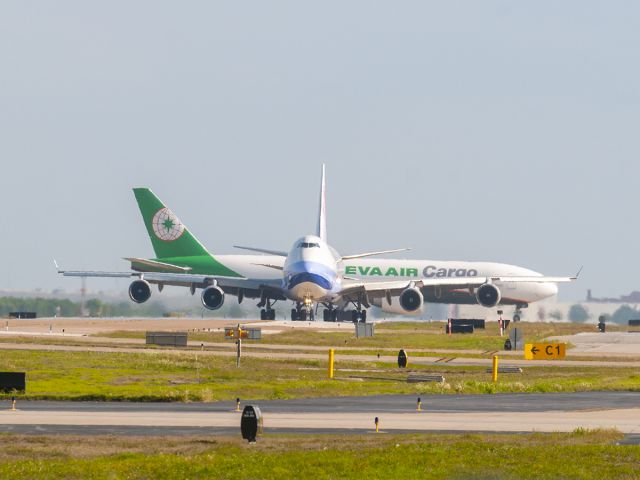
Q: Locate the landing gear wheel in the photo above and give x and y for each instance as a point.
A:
(363, 316)
(326, 315)
(294, 314)
(516, 317)
(354, 316)
(263, 314)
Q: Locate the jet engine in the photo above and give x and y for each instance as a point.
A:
(488, 295)
(394, 306)
(411, 299)
(212, 297)
(139, 291)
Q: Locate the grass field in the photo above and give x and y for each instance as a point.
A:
(189, 376)
(415, 335)
(578, 455)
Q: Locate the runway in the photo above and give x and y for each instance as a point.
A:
(397, 413)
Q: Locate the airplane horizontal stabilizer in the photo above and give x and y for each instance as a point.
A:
(156, 264)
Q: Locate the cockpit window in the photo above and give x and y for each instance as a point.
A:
(308, 245)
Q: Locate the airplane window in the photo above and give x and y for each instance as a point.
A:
(309, 245)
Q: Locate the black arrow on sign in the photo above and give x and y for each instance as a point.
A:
(534, 350)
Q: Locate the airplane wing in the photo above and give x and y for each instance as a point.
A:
(180, 279)
(395, 287)
(371, 254)
(279, 253)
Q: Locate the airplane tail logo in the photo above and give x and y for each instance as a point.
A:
(166, 226)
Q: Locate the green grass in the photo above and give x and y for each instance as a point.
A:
(190, 376)
(578, 455)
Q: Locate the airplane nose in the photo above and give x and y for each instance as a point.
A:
(549, 289)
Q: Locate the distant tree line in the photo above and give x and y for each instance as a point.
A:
(579, 313)
(50, 307)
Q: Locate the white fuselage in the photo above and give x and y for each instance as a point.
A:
(318, 262)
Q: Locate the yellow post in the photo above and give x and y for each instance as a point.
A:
(237, 404)
(494, 375)
(376, 421)
(419, 404)
(13, 404)
(331, 359)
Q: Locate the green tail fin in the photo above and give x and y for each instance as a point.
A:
(169, 237)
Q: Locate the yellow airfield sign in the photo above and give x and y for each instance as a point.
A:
(544, 351)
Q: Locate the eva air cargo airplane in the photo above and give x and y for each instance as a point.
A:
(313, 274)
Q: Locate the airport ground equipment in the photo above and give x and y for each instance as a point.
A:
(403, 359)
(494, 370)
(22, 315)
(601, 324)
(13, 382)
(364, 330)
(424, 378)
(251, 423)
(231, 333)
(173, 339)
(506, 369)
(452, 328)
(478, 323)
(516, 339)
(634, 323)
(545, 351)
(331, 360)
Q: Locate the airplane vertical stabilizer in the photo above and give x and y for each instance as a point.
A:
(322, 212)
(169, 237)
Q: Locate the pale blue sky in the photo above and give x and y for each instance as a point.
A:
(494, 130)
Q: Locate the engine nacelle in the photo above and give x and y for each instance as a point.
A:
(394, 307)
(488, 295)
(411, 299)
(212, 297)
(139, 291)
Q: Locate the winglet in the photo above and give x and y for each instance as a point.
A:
(57, 266)
(579, 271)
(322, 211)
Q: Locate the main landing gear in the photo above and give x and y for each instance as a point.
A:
(267, 313)
(518, 311)
(330, 315)
(359, 315)
(333, 315)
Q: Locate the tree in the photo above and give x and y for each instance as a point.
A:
(578, 313)
(556, 315)
(236, 311)
(541, 314)
(624, 314)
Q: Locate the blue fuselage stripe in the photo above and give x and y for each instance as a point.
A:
(309, 277)
(313, 272)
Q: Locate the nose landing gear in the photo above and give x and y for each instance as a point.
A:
(302, 312)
